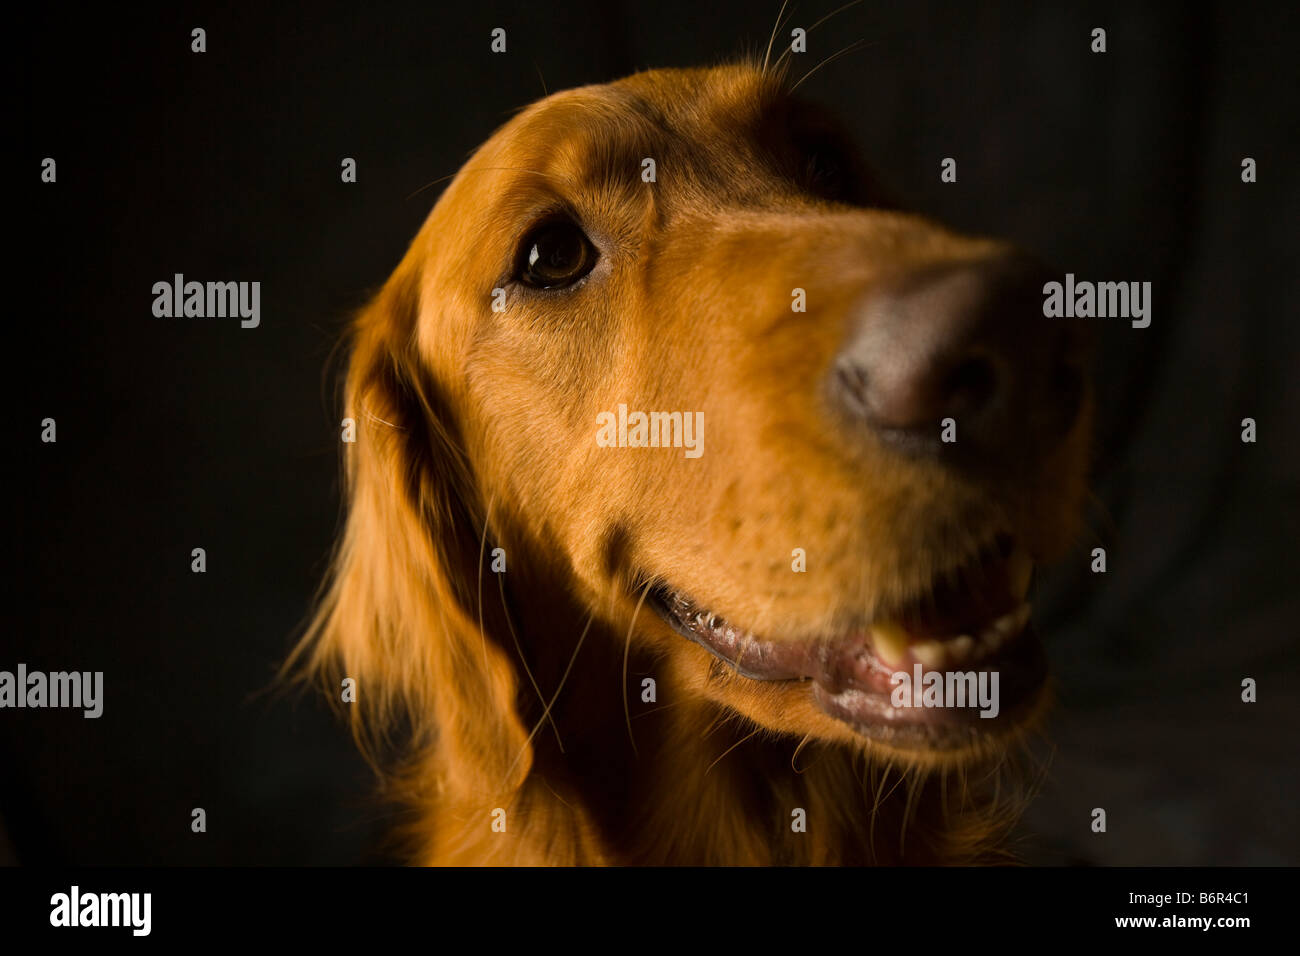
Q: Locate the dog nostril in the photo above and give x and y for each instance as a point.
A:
(853, 385)
(971, 384)
(962, 340)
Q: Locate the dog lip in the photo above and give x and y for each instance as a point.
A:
(1022, 672)
(852, 684)
(749, 655)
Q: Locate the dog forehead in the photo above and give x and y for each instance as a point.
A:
(722, 95)
(685, 120)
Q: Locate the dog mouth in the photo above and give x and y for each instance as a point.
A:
(957, 663)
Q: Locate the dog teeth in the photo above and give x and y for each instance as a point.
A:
(930, 653)
(889, 641)
(934, 655)
(993, 638)
(1010, 624)
(893, 645)
(960, 649)
(1005, 628)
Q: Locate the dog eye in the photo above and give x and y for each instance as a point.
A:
(826, 172)
(554, 255)
(828, 166)
(829, 172)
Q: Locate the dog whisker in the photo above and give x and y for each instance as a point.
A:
(655, 710)
(851, 48)
(772, 39)
(554, 697)
(720, 720)
(523, 660)
(731, 748)
(837, 10)
(545, 91)
(370, 416)
(482, 552)
(914, 782)
(890, 792)
(627, 650)
(794, 757)
(554, 794)
(876, 804)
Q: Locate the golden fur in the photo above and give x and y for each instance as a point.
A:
(522, 691)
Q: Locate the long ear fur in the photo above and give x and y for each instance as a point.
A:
(400, 614)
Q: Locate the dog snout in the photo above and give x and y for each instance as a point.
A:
(958, 360)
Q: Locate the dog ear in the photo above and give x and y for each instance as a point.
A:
(401, 614)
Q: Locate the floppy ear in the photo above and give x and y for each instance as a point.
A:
(401, 614)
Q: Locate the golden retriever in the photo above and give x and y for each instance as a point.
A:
(676, 444)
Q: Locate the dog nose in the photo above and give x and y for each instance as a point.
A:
(959, 360)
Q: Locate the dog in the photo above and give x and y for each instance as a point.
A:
(680, 448)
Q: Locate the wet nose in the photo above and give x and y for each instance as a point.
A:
(959, 360)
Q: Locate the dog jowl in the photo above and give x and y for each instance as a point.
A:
(897, 435)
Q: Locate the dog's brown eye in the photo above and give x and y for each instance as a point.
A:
(554, 255)
(828, 167)
(827, 173)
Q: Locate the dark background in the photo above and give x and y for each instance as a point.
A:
(183, 433)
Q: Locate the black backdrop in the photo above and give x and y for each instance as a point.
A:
(175, 434)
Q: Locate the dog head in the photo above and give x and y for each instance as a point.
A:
(668, 338)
